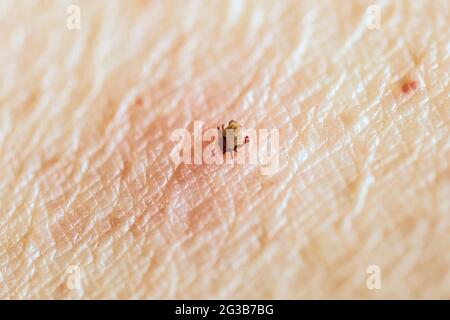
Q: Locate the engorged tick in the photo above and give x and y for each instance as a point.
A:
(236, 131)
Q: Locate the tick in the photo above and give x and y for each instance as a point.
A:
(236, 131)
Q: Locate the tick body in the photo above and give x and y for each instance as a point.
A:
(235, 133)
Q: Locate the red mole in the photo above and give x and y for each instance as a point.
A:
(409, 86)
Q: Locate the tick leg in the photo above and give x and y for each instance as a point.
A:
(221, 131)
(224, 144)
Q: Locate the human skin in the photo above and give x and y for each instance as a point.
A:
(87, 181)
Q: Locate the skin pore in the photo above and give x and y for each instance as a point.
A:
(87, 182)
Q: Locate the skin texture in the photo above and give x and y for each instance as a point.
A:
(86, 177)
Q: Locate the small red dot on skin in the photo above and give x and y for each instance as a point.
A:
(139, 101)
(405, 88)
(409, 86)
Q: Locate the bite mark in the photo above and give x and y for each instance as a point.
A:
(409, 86)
